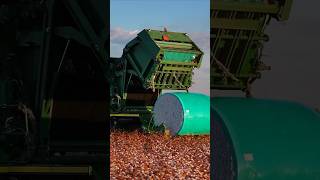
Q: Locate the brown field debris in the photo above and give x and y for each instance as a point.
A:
(136, 155)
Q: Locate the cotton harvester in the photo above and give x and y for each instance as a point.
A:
(156, 61)
(255, 139)
(58, 85)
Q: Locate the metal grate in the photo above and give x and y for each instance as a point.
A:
(237, 38)
(173, 76)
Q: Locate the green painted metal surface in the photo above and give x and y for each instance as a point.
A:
(178, 56)
(163, 60)
(175, 36)
(271, 139)
(280, 9)
(237, 36)
(196, 109)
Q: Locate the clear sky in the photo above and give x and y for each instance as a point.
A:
(176, 14)
(128, 17)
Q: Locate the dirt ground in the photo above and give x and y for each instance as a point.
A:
(136, 155)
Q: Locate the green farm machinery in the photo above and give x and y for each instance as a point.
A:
(59, 88)
(152, 62)
(256, 139)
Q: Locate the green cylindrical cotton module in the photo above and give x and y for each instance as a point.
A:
(183, 113)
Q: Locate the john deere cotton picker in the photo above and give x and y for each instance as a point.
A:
(255, 139)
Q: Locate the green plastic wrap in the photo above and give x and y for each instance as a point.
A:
(265, 139)
(183, 113)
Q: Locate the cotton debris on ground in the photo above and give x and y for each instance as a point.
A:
(136, 155)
